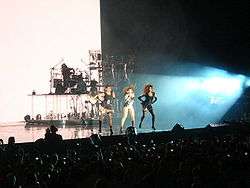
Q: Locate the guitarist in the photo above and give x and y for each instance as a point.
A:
(147, 99)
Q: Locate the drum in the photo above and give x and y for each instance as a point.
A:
(56, 82)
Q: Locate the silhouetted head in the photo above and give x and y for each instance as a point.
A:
(53, 129)
(11, 140)
(64, 66)
(131, 135)
(47, 130)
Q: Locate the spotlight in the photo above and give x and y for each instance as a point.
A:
(208, 126)
(247, 83)
(225, 85)
(177, 128)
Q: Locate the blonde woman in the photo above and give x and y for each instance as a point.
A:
(128, 108)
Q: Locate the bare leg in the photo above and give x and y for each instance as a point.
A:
(124, 117)
(132, 115)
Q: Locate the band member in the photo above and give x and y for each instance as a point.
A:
(66, 73)
(147, 99)
(93, 86)
(107, 107)
(129, 97)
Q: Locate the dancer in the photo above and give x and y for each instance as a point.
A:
(128, 107)
(107, 107)
(147, 99)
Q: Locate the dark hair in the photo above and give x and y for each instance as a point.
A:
(146, 88)
(53, 128)
(11, 140)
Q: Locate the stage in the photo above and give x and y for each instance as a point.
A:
(23, 133)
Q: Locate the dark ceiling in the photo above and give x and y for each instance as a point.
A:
(214, 33)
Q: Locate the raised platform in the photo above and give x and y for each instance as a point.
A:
(61, 123)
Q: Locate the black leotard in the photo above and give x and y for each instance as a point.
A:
(148, 100)
(108, 101)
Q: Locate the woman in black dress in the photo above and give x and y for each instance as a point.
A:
(107, 107)
(147, 99)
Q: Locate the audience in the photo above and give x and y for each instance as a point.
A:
(191, 161)
(51, 136)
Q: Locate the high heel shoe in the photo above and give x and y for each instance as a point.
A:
(139, 125)
(121, 131)
(111, 132)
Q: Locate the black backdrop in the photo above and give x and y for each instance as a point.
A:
(161, 32)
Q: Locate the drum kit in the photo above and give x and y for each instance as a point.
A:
(73, 82)
(70, 81)
(89, 82)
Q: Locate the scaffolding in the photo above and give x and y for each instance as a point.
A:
(95, 67)
(118, 71)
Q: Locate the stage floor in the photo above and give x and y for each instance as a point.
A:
(23, 133)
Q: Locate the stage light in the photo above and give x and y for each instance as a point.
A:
(222, 85)
(247, 82)
(178, 128)
(193, 100)
(192, 84)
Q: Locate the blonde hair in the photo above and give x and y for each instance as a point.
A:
(129, 87)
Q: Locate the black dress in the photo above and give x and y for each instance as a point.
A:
(148, 101)
(108, 102)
